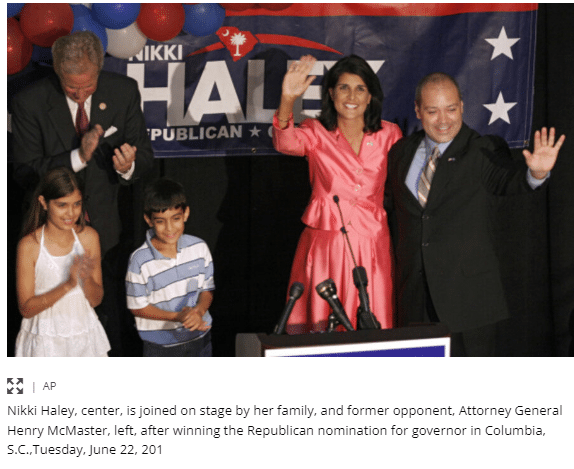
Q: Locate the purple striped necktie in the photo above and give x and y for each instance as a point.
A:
(427, 176)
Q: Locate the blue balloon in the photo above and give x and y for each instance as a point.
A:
(80, 10)
(14, 8)
(203, 19)
(84, 21)
(116, 15)
(42, 55)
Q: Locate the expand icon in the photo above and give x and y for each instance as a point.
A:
(15, 385)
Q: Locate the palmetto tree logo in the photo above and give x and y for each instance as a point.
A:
(237, 42)
(238, 39)
(240, 43)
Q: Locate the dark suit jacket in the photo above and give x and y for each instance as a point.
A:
(44, 136)
(451, 239)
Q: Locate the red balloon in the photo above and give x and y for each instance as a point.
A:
(274, 6)
(161, 21)
(237, 6)
(43, 23)
(19, 48)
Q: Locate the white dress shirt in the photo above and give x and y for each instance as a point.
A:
(421, 156)
(76, 161)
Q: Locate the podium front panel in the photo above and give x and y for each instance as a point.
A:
(439, 347)
(420, 341)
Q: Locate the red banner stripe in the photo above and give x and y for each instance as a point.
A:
(210, 48)
(279, 39)
(386, 9)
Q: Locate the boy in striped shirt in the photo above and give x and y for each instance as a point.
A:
(169, 282)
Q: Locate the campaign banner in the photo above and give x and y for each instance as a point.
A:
(216, 95)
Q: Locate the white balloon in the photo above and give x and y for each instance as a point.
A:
(125, 43)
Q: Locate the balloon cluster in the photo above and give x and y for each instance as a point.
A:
(123, 28)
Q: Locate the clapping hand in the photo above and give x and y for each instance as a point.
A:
(542, 160)
(123, 157)
(90, 142)
(192, 319)
(81, 269)
(86, 267)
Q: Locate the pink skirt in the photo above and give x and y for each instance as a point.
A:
(325, 254)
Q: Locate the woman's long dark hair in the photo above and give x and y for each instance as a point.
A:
(56, 183)
(357, 66)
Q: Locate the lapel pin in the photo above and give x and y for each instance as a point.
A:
(103, 106)
(451, 159)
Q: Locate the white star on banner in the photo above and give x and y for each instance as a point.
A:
(502, 44)
(499, 109)
(255, 131)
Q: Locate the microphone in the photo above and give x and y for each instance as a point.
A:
(365, 317)
(328, 291)
(295, 293)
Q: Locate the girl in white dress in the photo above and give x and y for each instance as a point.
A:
(58, 275)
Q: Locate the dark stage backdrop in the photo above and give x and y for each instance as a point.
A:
(247, 208)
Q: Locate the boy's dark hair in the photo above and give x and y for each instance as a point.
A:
(163, 194)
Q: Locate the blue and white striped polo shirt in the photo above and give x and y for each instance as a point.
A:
(169, 284)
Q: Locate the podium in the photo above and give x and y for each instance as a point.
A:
(428, 340)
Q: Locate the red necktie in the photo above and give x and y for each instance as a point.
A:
(82, 126)
(82, 122)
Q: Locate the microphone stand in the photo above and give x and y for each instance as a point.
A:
(333, 323)
(365, 317)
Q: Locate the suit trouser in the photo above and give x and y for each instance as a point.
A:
(479, 342)
(117, 320)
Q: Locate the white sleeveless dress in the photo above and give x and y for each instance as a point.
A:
(70, 328)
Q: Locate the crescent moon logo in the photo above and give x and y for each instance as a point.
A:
(226, 33)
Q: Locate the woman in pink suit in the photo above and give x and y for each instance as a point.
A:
(347, 150)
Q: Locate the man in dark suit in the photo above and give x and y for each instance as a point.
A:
(90, 121)
(114, 150)
(437, 200)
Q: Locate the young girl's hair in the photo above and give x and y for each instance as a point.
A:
(56, 183)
